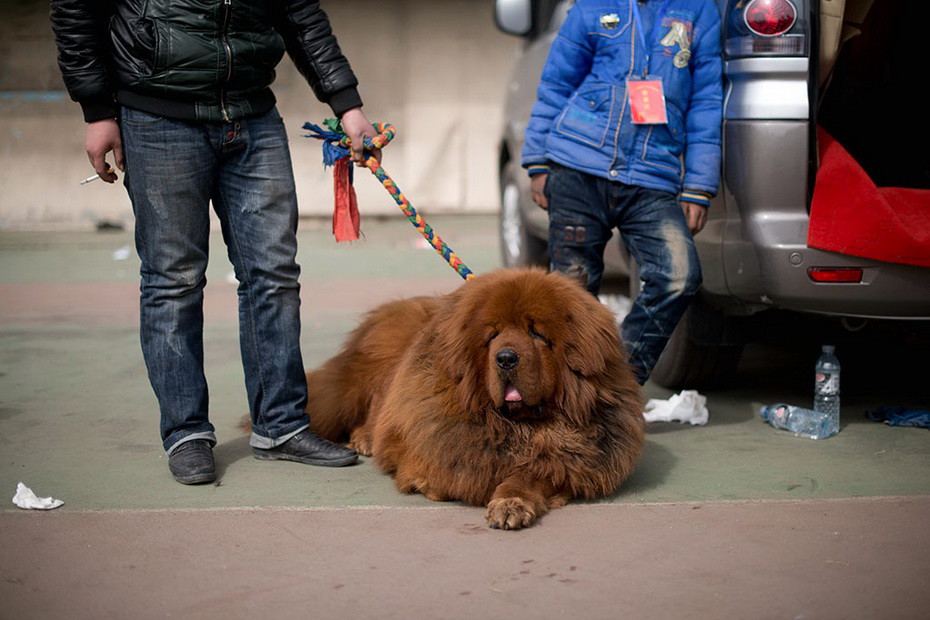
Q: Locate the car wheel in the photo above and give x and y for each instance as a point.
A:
(689, 364)
(519, 247)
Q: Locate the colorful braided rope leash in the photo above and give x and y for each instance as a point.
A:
(336, 153)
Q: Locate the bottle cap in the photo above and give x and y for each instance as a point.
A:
(828, 348)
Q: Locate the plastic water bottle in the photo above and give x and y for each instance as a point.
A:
(800, 421)
(827, 388)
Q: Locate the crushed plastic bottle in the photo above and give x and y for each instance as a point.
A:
(827, 388)
(800, 421)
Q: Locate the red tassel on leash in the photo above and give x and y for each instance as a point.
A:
(346, 221)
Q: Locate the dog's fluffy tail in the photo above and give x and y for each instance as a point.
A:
(335, 407)
(331, 417)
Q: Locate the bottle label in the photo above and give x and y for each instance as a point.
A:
(780, 417)
(827, 383)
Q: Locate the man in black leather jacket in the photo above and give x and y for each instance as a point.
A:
(178, 91)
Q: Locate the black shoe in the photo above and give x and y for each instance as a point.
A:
(307, 447)
(192, 462)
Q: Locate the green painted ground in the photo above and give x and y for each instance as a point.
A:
(78, 420)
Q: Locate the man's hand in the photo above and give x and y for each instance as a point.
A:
(695, 215)
(537, 190)
(103, 137)
(358, 127)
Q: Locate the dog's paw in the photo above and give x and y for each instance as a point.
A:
(360, 441)
(510, 513)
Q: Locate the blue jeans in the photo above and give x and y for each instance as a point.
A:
(584, 210)
(174, 169)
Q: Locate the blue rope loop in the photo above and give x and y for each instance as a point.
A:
(333, 150)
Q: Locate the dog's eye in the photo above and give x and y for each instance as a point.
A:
(490, 337)
(535, 334)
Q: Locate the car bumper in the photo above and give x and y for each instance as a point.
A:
(754, 247)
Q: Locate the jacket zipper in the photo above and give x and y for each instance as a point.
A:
(224, 36)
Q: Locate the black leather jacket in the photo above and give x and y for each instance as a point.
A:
(196, 60)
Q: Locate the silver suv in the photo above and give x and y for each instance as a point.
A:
(758, 270)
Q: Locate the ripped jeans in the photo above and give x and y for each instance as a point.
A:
(584, 210)
(174, 170)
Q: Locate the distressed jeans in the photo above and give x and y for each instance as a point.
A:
(174, 169)
(584, 210)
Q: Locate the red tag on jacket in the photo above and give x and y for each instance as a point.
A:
(647, 102)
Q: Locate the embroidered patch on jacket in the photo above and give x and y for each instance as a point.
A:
(679, 34)
(610, 21)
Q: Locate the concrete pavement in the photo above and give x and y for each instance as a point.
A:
(731, 519)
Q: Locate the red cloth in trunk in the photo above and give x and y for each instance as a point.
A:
(850, 215)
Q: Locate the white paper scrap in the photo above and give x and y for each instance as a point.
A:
(686, 406)
(123, 253)
(28, 500)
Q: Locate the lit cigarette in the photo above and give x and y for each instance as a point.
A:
(94, 178)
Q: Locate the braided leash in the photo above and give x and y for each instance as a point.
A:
(336, 146)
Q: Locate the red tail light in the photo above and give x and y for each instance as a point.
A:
(835, 274)
(767, 28)
(770, 18)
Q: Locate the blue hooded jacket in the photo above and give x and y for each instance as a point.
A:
(581, 118)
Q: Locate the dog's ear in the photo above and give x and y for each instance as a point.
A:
(595, 341)
(458, 349)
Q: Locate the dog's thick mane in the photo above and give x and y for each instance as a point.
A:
(589, 330)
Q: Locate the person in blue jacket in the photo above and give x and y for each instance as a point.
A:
(625, 133)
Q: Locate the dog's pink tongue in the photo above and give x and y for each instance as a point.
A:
(512, 394)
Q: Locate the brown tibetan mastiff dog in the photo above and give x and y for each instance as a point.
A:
(511, 392)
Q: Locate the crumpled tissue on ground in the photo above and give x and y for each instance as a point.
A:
(686, 406)
(28, 500)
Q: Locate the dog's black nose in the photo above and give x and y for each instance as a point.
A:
(507, 359)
